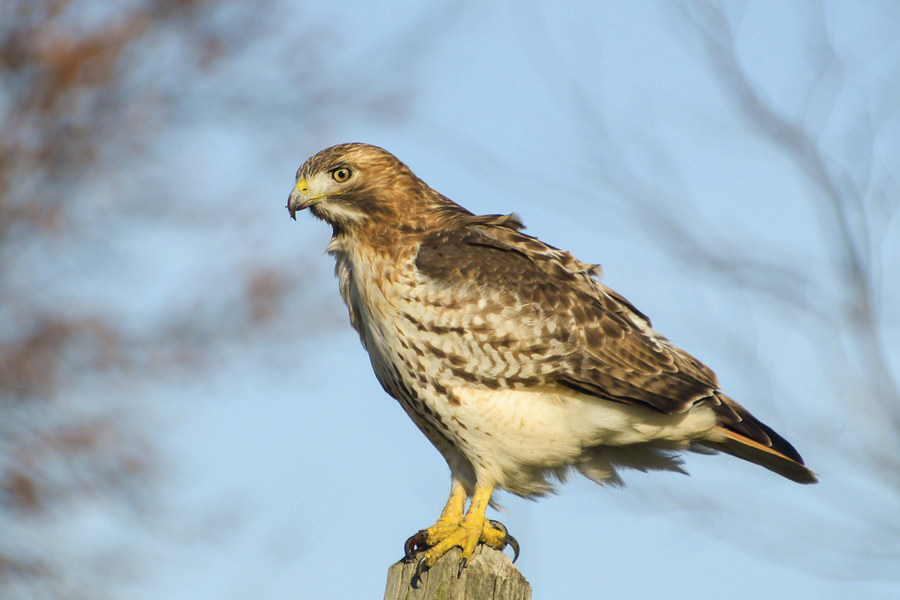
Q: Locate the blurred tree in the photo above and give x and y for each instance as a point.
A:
(842, 139)
(834, 122)
(840, 133)
(90, 90)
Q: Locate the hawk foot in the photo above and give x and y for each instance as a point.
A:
(428, 545)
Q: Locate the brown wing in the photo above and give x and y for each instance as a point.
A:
(575, 330)
(597, 341)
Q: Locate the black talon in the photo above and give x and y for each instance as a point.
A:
(412, 545)
(510, 540)
(462, 565)
(421, 567)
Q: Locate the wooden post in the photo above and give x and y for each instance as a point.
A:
(490, 575)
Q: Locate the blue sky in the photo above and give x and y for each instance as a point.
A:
(290, 474)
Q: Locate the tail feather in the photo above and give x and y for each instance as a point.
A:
(741, 434)
(741, 446)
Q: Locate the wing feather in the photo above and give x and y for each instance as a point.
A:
(590, 338)
(603, 345)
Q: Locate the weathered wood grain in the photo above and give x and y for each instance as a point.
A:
(490, 575)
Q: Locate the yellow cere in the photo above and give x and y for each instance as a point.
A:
(302, 186)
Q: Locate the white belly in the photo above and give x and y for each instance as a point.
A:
(516, 434)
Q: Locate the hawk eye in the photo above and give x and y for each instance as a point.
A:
(341, 174)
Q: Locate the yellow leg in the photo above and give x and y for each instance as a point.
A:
(452, 515)
(453, 529)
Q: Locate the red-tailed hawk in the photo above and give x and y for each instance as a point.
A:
(510, 355)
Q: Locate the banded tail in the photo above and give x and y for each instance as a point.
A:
(741, 434)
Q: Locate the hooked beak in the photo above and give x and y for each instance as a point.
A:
(299, 198)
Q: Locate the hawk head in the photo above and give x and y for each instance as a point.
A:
(354, 185)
